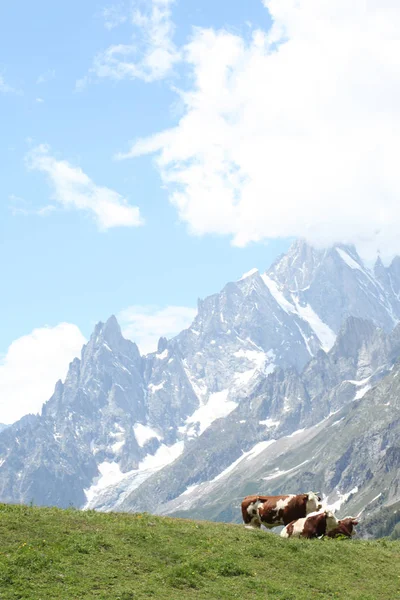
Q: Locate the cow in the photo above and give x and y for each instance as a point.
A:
(273, 511)
(314, 525)
(345, 527)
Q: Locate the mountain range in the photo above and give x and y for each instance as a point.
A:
(286, 380)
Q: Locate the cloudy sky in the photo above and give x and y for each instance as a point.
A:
(153, 150)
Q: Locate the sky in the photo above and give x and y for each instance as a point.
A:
(152, 151)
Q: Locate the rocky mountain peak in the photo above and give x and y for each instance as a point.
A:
(296, 269)
(379, 264)
(107, 339)
(109, 332)
(381, 273)
(301, 266)
(162, 345)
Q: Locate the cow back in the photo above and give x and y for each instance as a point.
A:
(314, 526)
(296, 508)
(265, 506)
(281, 510)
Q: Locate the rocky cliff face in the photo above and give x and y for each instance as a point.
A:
(260, 444)
(336, 284)
(276, 367)
(352, 455)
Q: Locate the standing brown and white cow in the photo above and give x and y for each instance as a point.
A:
(273, 511)
(345, 527)
(313, 526)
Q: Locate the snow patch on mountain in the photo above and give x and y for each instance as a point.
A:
(155, 388)
(270, 423)
(358, 382)
(144, 433)
(379, 290)
(217, 406)
(323, 332)
(262, 364)
(198, 386)
(278, 473)
(255, 451)
(248, 274)
(278, 294)
(350, 262)
(262, 361)
(342, 499)
(306, 339)
(362, 391)
(242, 379)
(297, 432)
(116, 447)
(112, 486)
(164, 456)
(190, 489)
(110, 474)
(119, 436)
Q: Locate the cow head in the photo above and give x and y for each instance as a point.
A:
(313, 502)
(331, 520)
(348, 525)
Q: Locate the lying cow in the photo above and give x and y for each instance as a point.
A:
(345, 527)
(273, 511)
(312, 526)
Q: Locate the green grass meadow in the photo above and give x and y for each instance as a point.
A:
(46, 553)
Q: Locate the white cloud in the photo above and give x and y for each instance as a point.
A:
(45, 77)
(144, 325)
(32, 365)
(293, 133)
(150, 55)
(5, 88)
(20, 206)
(73, 189)
(114, 16)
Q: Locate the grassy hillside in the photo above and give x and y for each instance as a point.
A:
(66, 555)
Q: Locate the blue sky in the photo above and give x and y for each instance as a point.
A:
(60, 267)
(153, 150)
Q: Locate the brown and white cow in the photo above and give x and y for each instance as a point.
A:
(345, 527)
(312, 526)
(273, 511)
